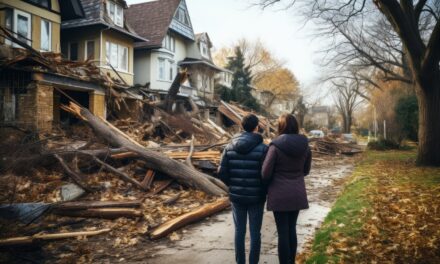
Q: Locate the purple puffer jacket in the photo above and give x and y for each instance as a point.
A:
(287, 162)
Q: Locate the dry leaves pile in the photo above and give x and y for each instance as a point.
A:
(402, 225)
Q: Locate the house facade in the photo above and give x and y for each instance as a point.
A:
(33, 87)
(172, 46)
(319, 115)
(28, 98)
(102, 36)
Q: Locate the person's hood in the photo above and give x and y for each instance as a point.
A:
(293, 145)
(245, 142)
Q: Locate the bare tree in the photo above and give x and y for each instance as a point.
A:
(347, 100)
(417, 25)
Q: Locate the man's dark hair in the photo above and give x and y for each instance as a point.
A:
(249, 122)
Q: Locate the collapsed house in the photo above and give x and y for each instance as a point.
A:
(34, 86)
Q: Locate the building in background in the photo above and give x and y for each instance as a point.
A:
(319, 116)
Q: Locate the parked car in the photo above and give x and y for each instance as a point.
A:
(350, 138)
(316, 134)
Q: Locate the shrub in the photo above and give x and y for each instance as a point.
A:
(383, 144)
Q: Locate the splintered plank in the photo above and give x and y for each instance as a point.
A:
(96, 204)
(106, 213)
(26, 240)
(148, 179)
(188, 218)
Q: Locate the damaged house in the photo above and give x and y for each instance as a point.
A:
(36, 80)
(27, 98)
(172, 45)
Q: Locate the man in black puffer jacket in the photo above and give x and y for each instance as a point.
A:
(240, 170)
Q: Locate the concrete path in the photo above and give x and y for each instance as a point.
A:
(212, 241)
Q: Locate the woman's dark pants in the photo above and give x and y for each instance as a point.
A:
(287, 241)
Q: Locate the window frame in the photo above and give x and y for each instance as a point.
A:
(161, 62)
(16, 13)
(204, 49)
(119, 52)
(49, 35)
(118, 20)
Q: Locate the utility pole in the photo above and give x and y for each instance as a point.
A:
(385, 129)
(375, 123)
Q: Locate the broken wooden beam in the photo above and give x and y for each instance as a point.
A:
(188, 218)
(26, 240)
(96, 204)
(106, 213)
(148, 179)
(156, 161)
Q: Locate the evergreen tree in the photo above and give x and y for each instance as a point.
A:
(241, 90)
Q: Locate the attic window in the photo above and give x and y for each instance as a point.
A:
(182, 16)
(116, 13)
(204, 49)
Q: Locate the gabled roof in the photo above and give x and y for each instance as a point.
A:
(204, 35)
(151, 20)
(95, 14)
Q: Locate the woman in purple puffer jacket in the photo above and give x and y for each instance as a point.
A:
(288, 160)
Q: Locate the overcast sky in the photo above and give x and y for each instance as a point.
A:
(283, 33)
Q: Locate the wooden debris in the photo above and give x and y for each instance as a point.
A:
(191, 217)
(172, 200)
(26, 240)
(157, 161)
(96, 204)
(107, 213)
(148, 179)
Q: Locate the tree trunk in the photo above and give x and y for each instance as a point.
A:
(154, 160)
(429, 122)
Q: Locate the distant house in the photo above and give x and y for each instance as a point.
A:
(318, 115)
(102, 35)
(275, 105)
(172, 45)
(224, 78)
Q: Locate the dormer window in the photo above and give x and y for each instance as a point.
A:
(116, 13)
(181, 16)
(204, 50)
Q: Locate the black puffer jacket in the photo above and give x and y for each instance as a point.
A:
(240, 168)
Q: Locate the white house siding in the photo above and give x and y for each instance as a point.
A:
(142, 67)
(152, 59)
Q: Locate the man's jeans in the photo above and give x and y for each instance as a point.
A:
(240, 213)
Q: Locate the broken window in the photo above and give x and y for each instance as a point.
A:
(46, 36)
(22, 26)
(12, 85)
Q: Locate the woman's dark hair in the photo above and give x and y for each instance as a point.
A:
(287, 124)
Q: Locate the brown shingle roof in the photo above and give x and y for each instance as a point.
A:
(152, 19)
(95, 14)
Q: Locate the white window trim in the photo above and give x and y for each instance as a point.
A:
(119, 47)
(50, 35)
(204, 45)
(113, 17)
(15, 25)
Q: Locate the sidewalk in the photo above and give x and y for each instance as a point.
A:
(212, 241)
